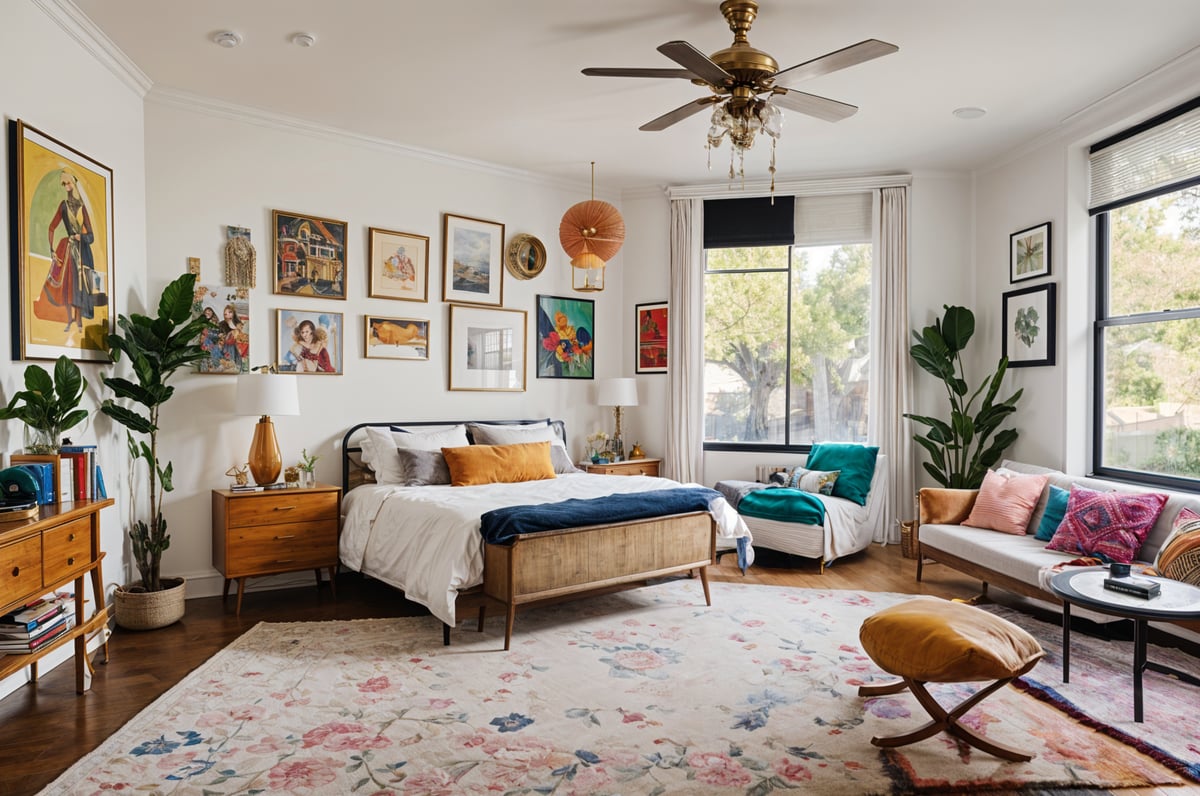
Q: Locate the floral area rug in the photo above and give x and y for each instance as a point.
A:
(1100, 693)
(641, 692)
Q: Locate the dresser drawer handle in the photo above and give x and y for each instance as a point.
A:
(284, 508)
(70, 537)
(283, 561)
(71, 561)
(289, 536)
(16, 572)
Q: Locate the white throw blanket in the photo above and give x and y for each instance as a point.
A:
(426, 541)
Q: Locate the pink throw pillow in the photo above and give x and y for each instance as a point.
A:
(1111, 525)
(1006, 501)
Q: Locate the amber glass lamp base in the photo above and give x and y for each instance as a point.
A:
(264, 460)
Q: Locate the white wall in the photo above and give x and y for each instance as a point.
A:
(51, 83)
(209, 166)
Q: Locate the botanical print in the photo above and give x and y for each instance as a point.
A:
(227, 339)
(64, 232)
(1026, 325)
(651, 338)
(1030, 255)
(473, 272)
(1029, 334)
(397, 338)
(399, 265)
(310, 255)
(566, 330)
(309, 342)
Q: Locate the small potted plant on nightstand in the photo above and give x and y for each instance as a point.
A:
(307, 466)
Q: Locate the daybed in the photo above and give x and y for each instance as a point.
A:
(425, 538)
(1021, 563)
(847, 527)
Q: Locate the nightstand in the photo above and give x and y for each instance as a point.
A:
(628, 467)
(274, 531)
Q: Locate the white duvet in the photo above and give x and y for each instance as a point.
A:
(426, 541)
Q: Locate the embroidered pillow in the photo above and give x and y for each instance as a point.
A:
(856, 464)
(819, 482)
(1108, 525)
(1052, 517)
(1006, 501)
(1179, 558)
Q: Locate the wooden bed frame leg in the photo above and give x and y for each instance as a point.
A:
(704, 582)
(482, 614)
(821, 567)
(508, 624)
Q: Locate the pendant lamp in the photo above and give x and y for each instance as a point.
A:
(591, 233)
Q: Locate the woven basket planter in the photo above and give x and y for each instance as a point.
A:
(136, 609)
(908, 538)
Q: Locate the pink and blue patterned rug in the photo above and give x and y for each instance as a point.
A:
(641, 692)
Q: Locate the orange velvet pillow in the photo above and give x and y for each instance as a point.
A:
(498, 464)
(1006, 501)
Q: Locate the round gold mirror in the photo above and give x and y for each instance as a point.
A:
(525, 257)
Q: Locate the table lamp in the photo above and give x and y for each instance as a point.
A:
(265, 394)
(617, 393)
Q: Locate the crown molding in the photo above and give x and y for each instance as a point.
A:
(78, 26)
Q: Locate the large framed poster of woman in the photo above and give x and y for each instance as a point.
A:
(62, 223)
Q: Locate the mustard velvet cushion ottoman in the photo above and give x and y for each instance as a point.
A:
(930, 640)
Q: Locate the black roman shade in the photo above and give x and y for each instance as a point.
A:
(736, 223)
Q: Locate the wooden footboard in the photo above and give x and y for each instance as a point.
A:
(552, 564)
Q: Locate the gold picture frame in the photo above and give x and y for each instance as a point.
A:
(310, 255)
(472, 260)
(395, 338)
(398, 265)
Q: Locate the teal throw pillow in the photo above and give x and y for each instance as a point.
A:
(856, 463)
(1052, 517)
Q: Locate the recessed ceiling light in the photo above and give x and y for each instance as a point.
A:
(304, 39)
(227, 39)
(970, 112)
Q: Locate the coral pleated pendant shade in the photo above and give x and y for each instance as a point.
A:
(592, 227)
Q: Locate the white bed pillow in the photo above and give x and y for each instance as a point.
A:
(515, 434)
(383, 443)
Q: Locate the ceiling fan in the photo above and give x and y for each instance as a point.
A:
(747, 84)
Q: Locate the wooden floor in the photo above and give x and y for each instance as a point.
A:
(45, 728)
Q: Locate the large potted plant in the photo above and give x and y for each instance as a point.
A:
(48, 406)
(959, 449)
(156, 347)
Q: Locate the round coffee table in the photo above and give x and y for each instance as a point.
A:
(1085, 587)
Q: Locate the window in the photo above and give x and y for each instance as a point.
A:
(787, 330)
(1146, 199)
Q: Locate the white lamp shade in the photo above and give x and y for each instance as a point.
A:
(267, 394)
(617, 392)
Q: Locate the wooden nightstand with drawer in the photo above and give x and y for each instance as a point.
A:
(628, 467)
(275, 531)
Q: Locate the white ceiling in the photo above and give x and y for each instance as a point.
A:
(499, 80)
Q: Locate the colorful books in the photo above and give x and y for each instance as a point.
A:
(38, 612)
(52, 631)
(43, 476)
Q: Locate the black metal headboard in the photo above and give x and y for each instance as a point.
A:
(351, 464)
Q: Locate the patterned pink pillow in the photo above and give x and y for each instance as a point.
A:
(1006, 501)
(1109, 524)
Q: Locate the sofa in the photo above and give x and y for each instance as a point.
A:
(1021, 563)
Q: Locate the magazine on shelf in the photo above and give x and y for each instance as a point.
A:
(10, 646)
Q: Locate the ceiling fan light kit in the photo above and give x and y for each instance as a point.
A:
(748, 87)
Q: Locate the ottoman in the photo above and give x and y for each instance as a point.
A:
(930, 640)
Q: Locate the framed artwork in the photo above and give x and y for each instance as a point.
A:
(1029, 326)
(227, 339)
(566, 329)
(310, 255)
(650, 332)
(398, 265)
(1029, 254)
(309, 342)
(472, 260)
(396, 338)
(62, 241)
(487, 349)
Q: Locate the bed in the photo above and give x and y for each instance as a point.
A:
(426, 540)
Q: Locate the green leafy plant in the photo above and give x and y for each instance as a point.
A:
(156, 347)
(307, 463)
(48, 405)
(959, 450)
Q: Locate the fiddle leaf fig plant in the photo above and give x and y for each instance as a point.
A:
(49, 405)
(961, 449)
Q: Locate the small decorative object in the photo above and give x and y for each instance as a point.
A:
(240, 258)
(309, 342)
(565, 329)
(307, 466)
(525, 256)
(399, 265)
(651, 336)
(226, 338)
(48, 405)
(291, 476)
(637, 452)
(240, 475)
(597, 444)
(310, 255)
(1029, 255)
(617, 393)
(472, 260)
(487, 349)
(1029, 335)
(396, 338)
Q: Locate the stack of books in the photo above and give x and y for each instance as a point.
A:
(37, 624)
(1138, 587)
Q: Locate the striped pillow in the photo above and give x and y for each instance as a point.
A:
(1006, 501)
(1179, 558)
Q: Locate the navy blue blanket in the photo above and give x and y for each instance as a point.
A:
(499, 526)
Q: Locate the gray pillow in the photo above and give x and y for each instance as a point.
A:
(422, 468)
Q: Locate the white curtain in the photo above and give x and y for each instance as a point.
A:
(684, 460)
(891, 393)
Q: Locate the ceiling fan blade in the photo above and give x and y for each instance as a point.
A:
(679, 114)
(604, 71)
(832, 62)
(811, 104)
(696, 62)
